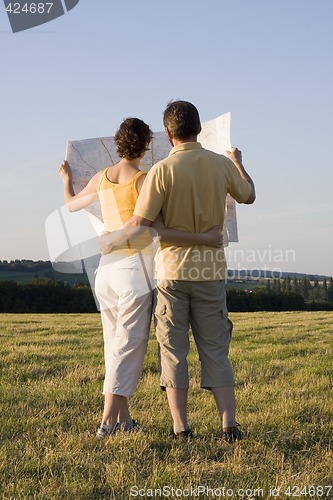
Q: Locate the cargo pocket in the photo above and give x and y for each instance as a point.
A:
(231, 326)
(162, 322)
(228, 324)
(160, 312)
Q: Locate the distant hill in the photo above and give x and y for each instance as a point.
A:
(34, 286)
(24, 271)
(258, 273)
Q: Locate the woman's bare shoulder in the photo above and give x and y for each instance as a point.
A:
(140, 181)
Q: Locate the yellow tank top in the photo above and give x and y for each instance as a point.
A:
(117, 205)
(117, 200)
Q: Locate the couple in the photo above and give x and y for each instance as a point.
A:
(183, 199)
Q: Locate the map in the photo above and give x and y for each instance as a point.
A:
(88, 156)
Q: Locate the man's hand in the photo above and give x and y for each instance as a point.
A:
(105, 243)
(235, 155)
(122, 236)
(213, 237)
(65, 171)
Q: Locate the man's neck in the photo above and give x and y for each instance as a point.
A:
(176, 142)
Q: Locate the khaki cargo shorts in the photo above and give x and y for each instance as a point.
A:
(201, 305)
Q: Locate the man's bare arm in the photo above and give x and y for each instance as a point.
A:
(134, 225)
(130, 230)
(235, 155)
(212, 238)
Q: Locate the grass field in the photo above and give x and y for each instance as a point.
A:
(51, 380)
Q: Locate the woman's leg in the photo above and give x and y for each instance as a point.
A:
(126, 316)
(115, 405)
(115, 410)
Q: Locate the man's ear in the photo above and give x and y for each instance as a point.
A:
(170, 136)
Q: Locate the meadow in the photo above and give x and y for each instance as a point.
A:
(52, 372)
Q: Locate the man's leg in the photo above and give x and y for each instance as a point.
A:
(172, 323)
(212, 332)
(177, 399)
(226, 405)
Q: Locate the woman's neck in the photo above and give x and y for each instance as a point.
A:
(135, 162)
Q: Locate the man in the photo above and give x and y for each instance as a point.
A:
(189, 188)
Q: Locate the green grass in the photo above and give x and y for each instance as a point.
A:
(51, 380)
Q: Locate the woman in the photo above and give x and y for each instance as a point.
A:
(124, 277)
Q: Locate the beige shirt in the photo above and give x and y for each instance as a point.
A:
(190, 188)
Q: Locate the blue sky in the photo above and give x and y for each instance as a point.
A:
(268, 62)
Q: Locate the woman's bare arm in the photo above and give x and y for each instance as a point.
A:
(88, 195)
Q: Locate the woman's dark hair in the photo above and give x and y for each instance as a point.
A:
(182, 120)
(132, 138)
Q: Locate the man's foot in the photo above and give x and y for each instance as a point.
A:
(187, 434)
(232, 434)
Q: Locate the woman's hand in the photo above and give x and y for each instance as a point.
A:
(213, 237)
(83, 198)
(65, 171)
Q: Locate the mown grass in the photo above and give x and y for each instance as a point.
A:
(51, 379)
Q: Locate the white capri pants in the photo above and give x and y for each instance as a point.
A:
(124, 287)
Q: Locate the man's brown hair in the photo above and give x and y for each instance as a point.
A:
(182, 120)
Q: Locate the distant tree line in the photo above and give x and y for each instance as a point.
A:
(48, 296)
(45, 296)
(310, 290)
(289, 294)
(54, 294)
(26, 266)
(263, 300)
